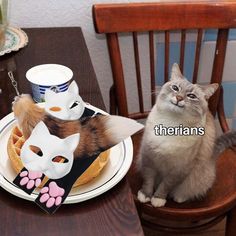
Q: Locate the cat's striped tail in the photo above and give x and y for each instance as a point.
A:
(224, 141)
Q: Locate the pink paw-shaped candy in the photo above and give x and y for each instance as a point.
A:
(30, 178)
(52, 195)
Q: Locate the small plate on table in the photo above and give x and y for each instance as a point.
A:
(120, 159)
(16, 38)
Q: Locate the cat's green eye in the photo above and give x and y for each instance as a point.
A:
(192, 96)
(175, 88)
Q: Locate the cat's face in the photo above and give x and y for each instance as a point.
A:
(42, 151)
(66, 105)
(180, 96)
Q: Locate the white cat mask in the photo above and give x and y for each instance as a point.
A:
(41, 149)
(66, 105)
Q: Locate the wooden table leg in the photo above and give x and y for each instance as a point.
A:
(231, 223)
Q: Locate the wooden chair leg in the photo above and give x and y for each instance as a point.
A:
(231, 223)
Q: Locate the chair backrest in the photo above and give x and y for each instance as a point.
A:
(112, 19)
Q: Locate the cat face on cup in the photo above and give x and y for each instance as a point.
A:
(48, 154)
(66, 105)
(180, 96)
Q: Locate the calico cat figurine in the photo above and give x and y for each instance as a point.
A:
(97, 133)
(182, 167)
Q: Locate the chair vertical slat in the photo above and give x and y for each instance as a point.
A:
(197, 55)
(167, 49)
(152, 66)
(138, 74)
(182, 50)
(113, 103)
(117, 71)
(218, 66)
(221, 112)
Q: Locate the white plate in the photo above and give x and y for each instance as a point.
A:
(16, 38)
(119, 162)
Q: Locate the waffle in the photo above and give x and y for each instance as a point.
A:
(17, 140)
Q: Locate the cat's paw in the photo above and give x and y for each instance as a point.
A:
(52, 195)
(142, 197)
(158, 202)
(180, 199)
(31, 179)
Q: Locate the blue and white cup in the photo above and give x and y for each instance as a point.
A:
(48, 76)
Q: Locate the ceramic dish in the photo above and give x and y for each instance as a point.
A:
(120, 159)
(16, 38)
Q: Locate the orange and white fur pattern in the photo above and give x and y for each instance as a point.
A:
(96, 133)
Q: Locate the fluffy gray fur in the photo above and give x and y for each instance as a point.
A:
(181, 167)
(226, 140)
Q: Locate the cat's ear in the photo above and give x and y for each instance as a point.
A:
(40, 129)
(49, 94)
(209, 89)
(175, 72)
(73, 88)
(72, 141)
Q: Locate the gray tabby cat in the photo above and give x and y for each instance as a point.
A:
(180, 167)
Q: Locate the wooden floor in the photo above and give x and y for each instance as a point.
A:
(217, 230)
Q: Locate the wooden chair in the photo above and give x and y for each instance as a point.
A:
(112, 19)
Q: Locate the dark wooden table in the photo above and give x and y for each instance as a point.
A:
(112, 213)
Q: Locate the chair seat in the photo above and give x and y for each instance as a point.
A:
(220, 198)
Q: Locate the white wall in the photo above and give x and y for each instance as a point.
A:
(50, 13)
